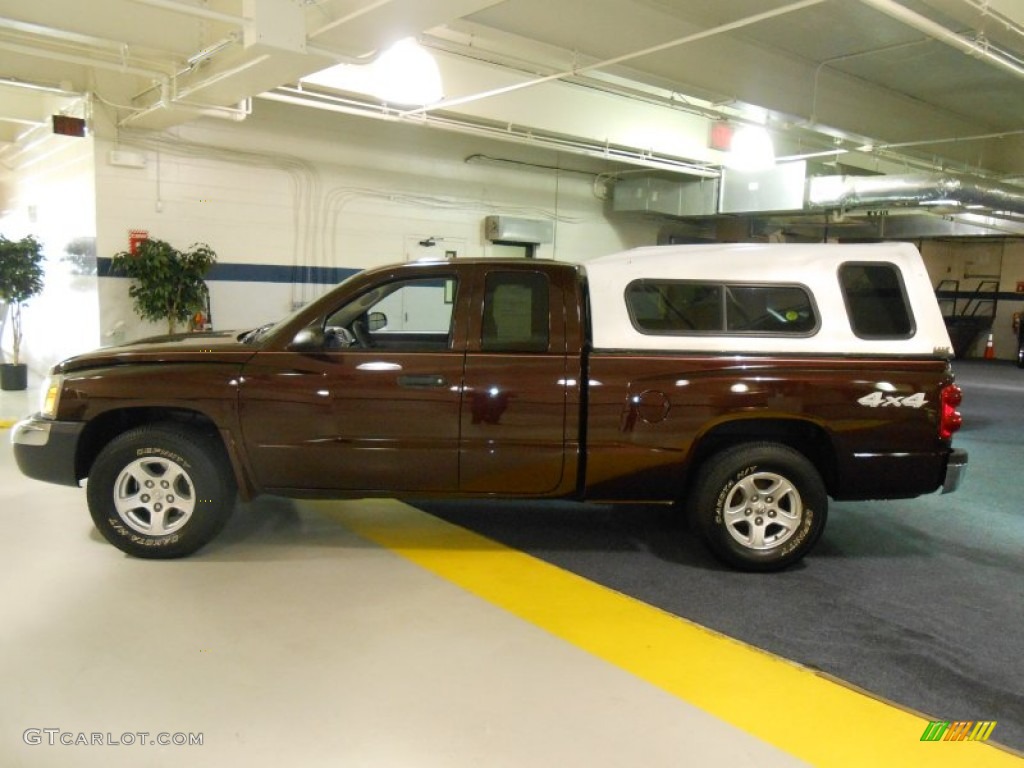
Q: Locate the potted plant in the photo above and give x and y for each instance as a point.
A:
(167, 283)
(21, 278)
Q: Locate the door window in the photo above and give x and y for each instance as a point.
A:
(406, 315)
(516, 312)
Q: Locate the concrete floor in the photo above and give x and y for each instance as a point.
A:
(307, 636)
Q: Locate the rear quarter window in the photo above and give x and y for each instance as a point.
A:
(683, 307)
(876, 300)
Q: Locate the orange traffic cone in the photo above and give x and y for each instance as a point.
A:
(990, 352)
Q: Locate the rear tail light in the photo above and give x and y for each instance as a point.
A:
(950, 418)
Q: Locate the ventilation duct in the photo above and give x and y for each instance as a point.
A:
(847, 193)
(782, 191)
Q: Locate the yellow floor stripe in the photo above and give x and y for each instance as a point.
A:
(6, 423)
(801, 712)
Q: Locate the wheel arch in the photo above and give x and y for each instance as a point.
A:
(104, 427)
(807, 437)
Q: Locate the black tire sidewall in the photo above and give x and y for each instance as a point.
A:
(198, 454)
(723, 471)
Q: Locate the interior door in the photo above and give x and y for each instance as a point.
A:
(377, 409)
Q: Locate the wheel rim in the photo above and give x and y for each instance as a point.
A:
(762, 511)
(154, 496)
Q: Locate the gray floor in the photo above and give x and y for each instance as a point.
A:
(918, 601)
(294, 641)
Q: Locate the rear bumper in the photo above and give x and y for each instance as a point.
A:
(45, 450)
(956, 468)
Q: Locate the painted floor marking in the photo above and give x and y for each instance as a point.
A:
(804, 713)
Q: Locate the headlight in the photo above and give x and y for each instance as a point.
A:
(49, 396)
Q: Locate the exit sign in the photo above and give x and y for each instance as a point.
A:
(64, 125)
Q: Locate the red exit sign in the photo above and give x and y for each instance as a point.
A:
(64, 125)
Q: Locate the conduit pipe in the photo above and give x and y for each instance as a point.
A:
(348, 17)
(59, 34)
(71, 58)
(288, 95)
(194, 10)
(722, 28)
(944, 34)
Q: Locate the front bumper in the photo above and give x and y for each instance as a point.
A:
(45, 450)
(956, 468)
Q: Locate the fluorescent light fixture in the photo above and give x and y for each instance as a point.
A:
(751, 149)
(406, 74)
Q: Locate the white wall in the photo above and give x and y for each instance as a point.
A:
(303, 189)
(51, 196)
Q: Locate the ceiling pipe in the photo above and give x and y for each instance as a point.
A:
(194, 10)
(60, 34)
(944, 34)
(298, 97)
(722, 28)
(71, 58)
(349, 17)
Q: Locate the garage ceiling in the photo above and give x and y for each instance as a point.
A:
(853, 86)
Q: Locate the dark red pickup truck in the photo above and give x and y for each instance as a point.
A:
(747, 383)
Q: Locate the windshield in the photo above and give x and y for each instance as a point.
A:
(255, 335)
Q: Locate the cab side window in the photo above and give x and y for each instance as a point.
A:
(406, 315)
(516, 313)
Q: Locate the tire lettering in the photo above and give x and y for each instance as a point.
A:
(798, 538)
(145, 541)
(163, 453)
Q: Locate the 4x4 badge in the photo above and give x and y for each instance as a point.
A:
(879, 400)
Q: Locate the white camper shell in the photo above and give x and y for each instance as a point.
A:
(827, 299)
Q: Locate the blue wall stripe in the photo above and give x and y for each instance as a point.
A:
(279, 273)
(259, 273)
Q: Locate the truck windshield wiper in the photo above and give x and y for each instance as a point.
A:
(256, 334)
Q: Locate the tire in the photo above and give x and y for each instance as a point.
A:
(192, 491)
(759, 506)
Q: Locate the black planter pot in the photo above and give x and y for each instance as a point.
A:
(13, 377)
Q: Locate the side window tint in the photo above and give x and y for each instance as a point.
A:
(775, 309)
(674, 307)
(683, 307)
(516, 314)
(407, 315)
(876, 301)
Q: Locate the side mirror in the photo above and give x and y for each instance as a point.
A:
(375, 321)
(307, 340)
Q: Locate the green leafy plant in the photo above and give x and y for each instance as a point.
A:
(21, 278)
(168, 283)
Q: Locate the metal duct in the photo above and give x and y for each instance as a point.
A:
(917, 190)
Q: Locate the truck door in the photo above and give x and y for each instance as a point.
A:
(515, 385)
(376, 408)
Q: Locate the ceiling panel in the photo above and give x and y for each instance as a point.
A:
(831, 75)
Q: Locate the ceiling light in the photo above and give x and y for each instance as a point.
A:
(751, 149)
(407, 74)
